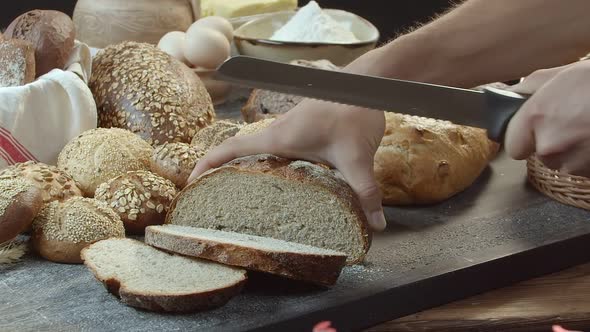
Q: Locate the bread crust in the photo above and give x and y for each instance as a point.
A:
(145, 90)
(291, 170)
(140, 198)
(425, 161)
(175, 161)
(19, 53)
(51, 32)
(313, 268)
(20, 212)
(167, 303)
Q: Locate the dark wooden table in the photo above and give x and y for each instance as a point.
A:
(535, 305)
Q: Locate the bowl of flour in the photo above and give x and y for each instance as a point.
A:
(310, 33)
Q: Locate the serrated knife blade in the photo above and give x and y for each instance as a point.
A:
(490, 109)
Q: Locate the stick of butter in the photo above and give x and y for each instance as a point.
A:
(237, 8)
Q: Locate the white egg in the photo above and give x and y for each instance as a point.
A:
(173, 44)
(206, 48)
(216, 23)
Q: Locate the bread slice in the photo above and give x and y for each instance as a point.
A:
(18, 62)
(268, 196)
(264, 104)
(264, 254)
(144, 277)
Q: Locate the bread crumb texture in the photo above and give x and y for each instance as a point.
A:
(78, 220)
(143, 89)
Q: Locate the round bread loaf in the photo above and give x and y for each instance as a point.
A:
(214, 134)
(140, 199)
(51, 32)
(100, 154)
(141, 88)
(425, 161)
(55, 184)
(175, 161)
(20, 201)
(62, 229)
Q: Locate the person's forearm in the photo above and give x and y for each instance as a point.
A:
(485, 41)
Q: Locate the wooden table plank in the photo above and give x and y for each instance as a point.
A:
(532, 305)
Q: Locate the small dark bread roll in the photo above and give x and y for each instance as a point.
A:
(140, 198)
(20, 202)
(51, 32)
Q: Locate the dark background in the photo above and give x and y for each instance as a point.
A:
(391, 17)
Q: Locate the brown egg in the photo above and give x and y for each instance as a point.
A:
(215, 23)
(173, 44)
(206, 48)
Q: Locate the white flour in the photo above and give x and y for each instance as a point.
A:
(311, 24)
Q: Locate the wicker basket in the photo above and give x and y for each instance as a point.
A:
(568, 189)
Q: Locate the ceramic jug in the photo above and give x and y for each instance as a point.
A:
(103, 22)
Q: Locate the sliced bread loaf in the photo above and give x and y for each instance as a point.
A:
(287, 259)
(144, 277)
(265, 195)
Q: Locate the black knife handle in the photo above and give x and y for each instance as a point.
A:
(501, 107)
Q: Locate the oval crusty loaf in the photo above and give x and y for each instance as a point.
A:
(55, 184)
(175, 161)
(214, 134)
(288, 259)
(424, 161)
(140, 198)
(18, 63)
(62, 229)
(100, 154)
(141, 88)
(269, 196)
(20, 201)
(420, 160)
(145, 277)
(52, 34)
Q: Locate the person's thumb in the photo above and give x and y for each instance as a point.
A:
(361, 178)
(536, 80)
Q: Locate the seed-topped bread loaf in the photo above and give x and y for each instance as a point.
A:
(140, 198)
(214, 134)
(147, 278)
(265, 195)
(288, 259)
(55, 184)
(142, 88)
(18, 63)
(62, 229)
(20, 202)
(175, 161)
(100, 154)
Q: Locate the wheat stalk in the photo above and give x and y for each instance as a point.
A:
(12, 251)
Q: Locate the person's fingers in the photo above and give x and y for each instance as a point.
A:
(361, 178)
(232, 148)
(574, 160)
(536, 80)
(520, 135)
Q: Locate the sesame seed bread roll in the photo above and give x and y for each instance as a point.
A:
(55, 184)
(140, 199)
(175, 161)
(213, 135)
(62, 229)
(20, 201)
(100, 154)
(145, 90)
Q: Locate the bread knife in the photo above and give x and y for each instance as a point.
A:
(490, 109)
